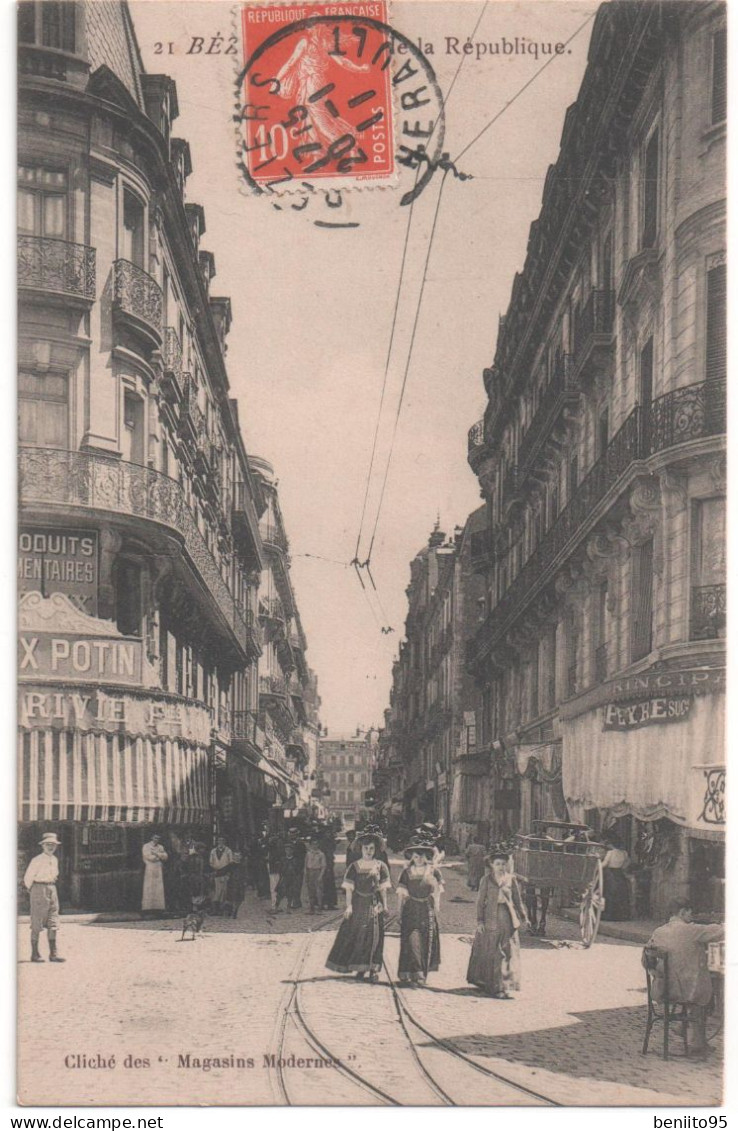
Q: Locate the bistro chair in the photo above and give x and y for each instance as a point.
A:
(656, 964)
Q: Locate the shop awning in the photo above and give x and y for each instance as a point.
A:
(66, 775)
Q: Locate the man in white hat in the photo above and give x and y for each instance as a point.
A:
(40, 879)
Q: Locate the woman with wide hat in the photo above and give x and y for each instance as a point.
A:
(419, 898)
(359, 944)
(494, 965)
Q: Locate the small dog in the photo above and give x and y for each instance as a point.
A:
(194, 922)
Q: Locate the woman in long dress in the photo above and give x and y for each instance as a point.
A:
(419, 899)
(475, 854)
(154, 854)
(359, 944)
(494, 965)
(616, 888)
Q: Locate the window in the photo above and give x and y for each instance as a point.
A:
(128, 597)
(641, 600)
(650, 191)
(719, 102)
(707, 620)
(132, 436)
(645, 390)
(43, 409)
(133, 229)
(534, 682)
(573, 476)
(49, 24)
(600, 634)
(603, 432)
(42, 201)
(716, 327)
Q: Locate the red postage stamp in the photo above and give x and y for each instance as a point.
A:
(316, 93)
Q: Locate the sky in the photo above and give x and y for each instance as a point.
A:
(313, 310)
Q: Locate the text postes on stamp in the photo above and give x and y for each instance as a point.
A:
(317, 97)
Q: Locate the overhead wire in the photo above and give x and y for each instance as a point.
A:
(444, 102)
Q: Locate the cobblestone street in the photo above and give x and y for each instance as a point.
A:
(134, 991)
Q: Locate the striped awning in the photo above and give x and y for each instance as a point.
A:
(67, 775)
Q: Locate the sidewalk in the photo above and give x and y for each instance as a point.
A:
(634, 930)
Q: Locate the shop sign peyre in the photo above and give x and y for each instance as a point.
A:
(87, 710)
(646, 712)
(53, 561)
(664, 683)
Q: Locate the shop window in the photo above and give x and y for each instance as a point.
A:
(649, 229)
(43, 409)
(42, 201)
(719, 100)
(133, 229)
(641, 601)
(49, 24)
(716, 328)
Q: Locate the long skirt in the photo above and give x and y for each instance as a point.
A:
(152, 896)
(616, 891)
(494, 964)
(359, 944)
(420, 945)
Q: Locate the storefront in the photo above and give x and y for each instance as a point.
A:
(541, 795)
(102, 762)
(643, 759)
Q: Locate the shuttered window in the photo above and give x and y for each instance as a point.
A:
(641, 600)
(716, 351)
(719, 104)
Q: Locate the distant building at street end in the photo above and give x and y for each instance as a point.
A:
(345, 772)
(426, 748)
(601, 457)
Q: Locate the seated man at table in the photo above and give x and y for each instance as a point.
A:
(685, 943)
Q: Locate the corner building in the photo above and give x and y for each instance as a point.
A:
(139, 553)
(601, 456)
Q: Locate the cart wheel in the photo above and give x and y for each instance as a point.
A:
(590, 911)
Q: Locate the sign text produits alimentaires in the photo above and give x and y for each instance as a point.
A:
(52, 561)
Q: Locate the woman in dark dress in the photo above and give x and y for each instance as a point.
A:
(419, 898)
(494, 965)
(359, 944)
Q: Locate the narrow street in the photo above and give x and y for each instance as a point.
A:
(258, 986)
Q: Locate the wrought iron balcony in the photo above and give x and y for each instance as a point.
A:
(55, 478)
(624, 448)
(138, 297)
(245, 521)
(273, 535)
(593, 332)
(561, 392)
(689, 413)
(475, 438)
(273, 685)
(708, 612)
(173, 381)
(244, 727)
(191, 416)
(56, 267)
(272, 608)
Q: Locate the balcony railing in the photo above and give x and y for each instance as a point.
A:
(594, 326)
(191, 416)
(244, 727)
(273, 685)
(52, 477)
(273, 535)
(137, 295)
(689, 413)
(708, 612)
(561, 391)
(475, 439)
(56, 266)
(172, 351)
(273, 608)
